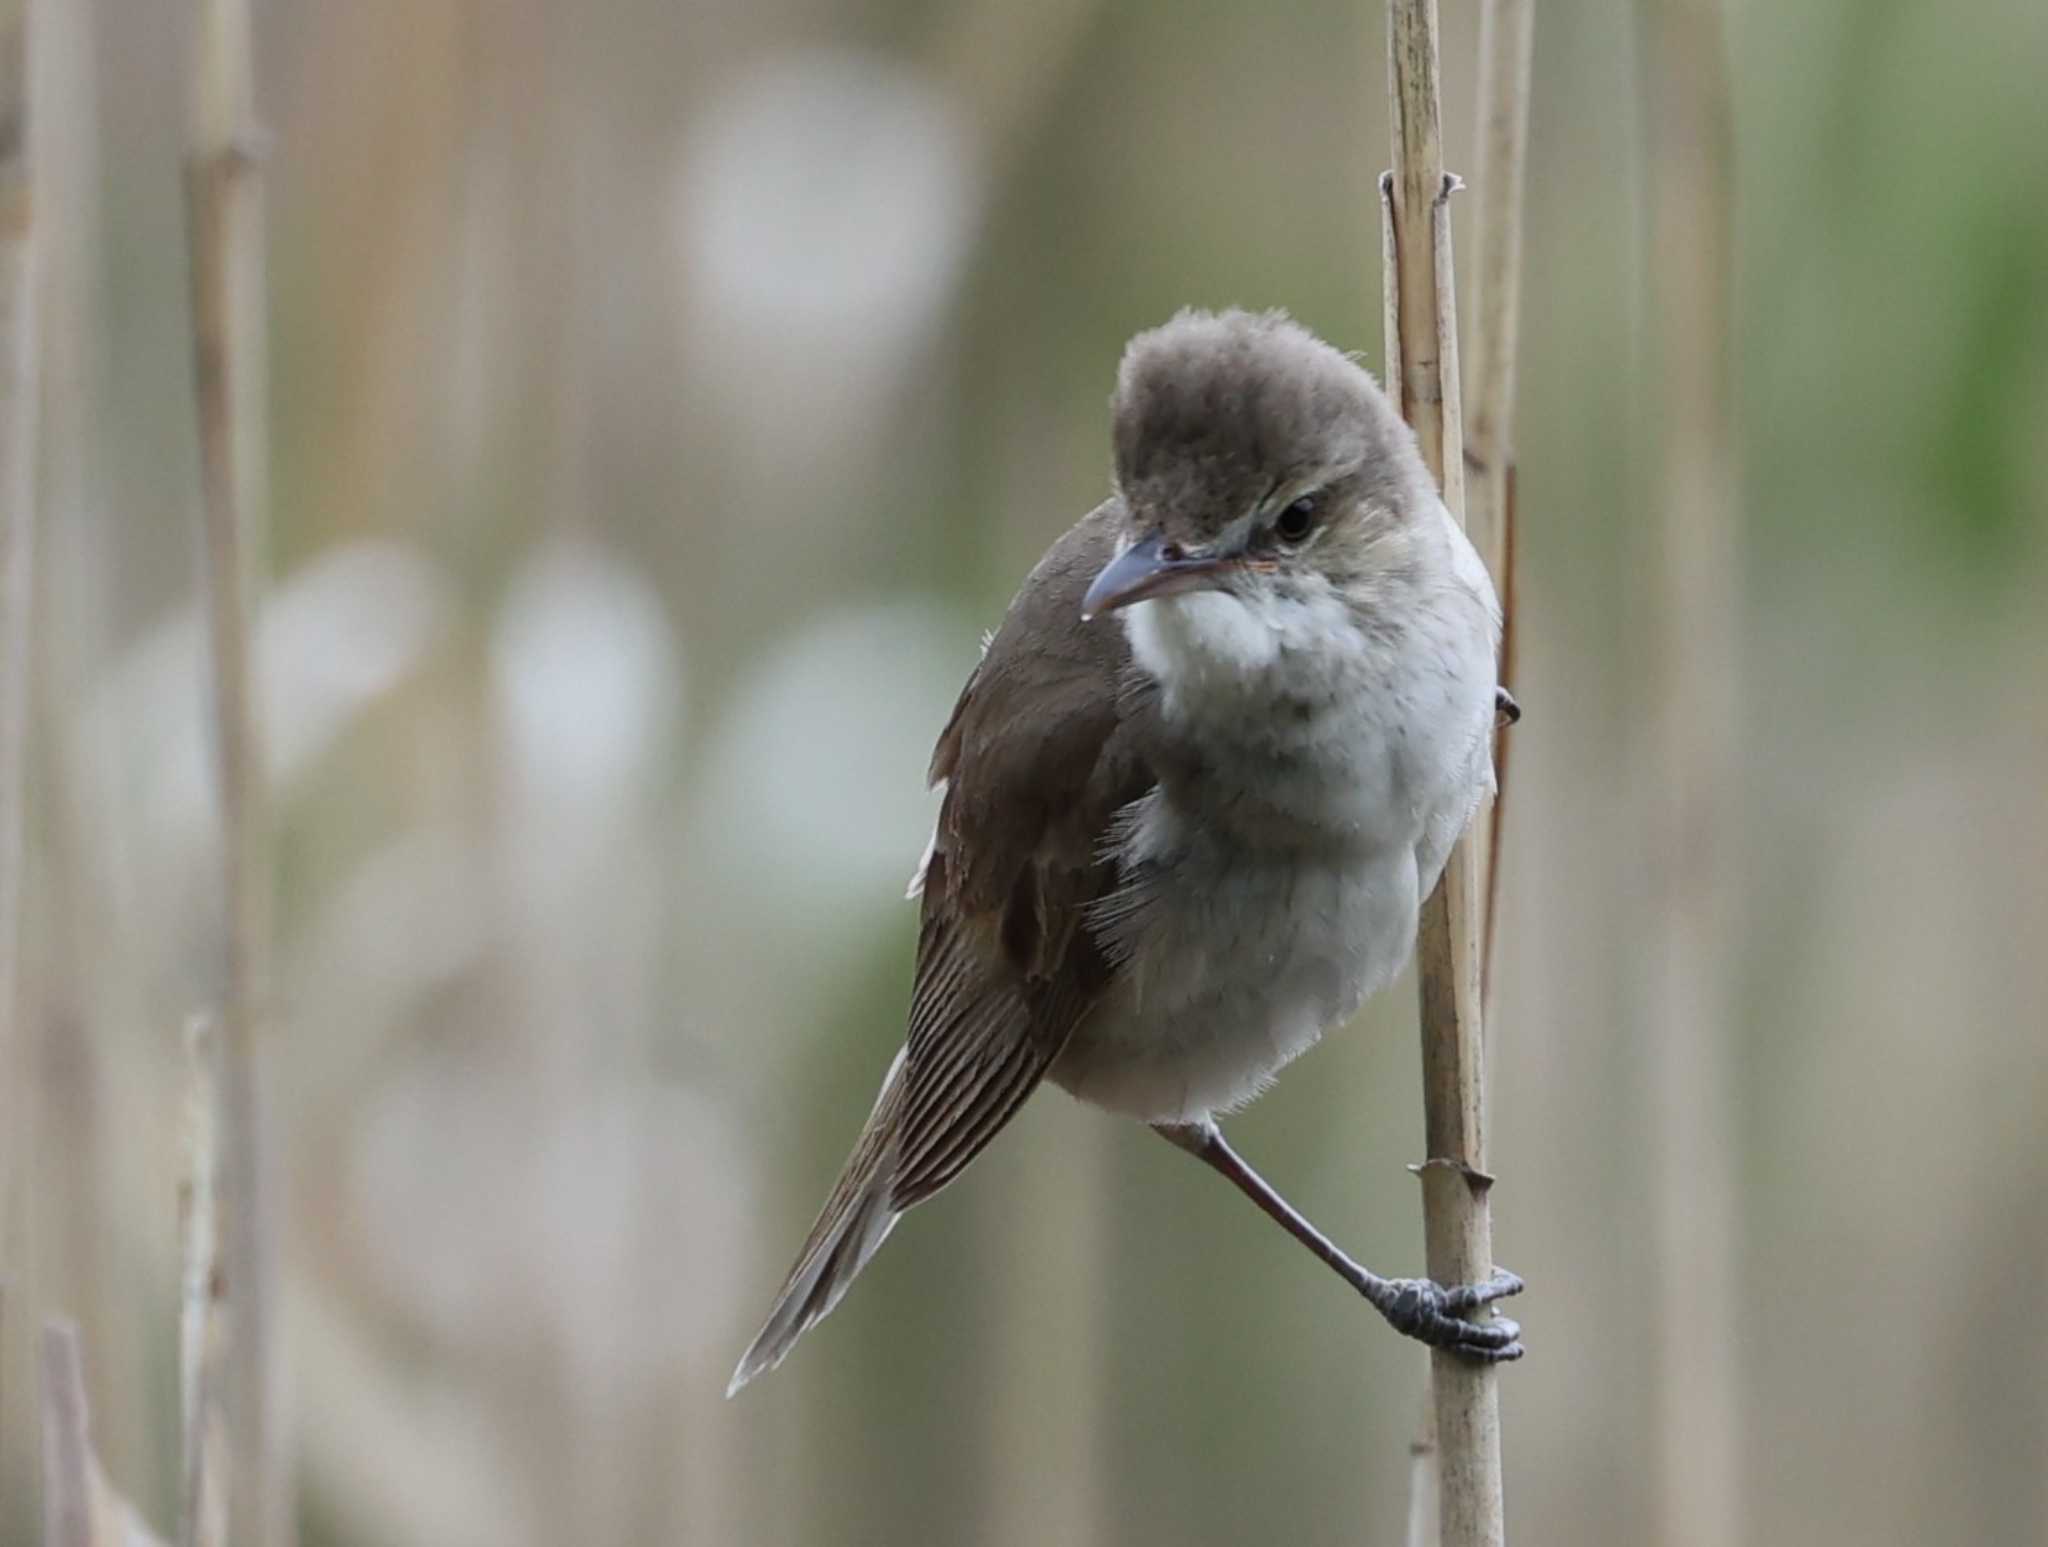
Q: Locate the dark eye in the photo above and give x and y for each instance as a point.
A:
(1296, 521)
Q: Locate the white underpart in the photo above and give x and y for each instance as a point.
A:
(1208, 647)
(1271, 897)
(1469, 568)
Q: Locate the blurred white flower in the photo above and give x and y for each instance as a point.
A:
(584, 677)
(822, 211)
(340, 632)
(334, 636)
(814, 796)
(826, 189)
(585, 674)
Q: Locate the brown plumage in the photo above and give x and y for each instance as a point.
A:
(1005, 965)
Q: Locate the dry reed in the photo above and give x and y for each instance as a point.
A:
(1422, 353)
(224, 210)
(1692, 729)
(1506, 38)
(19, 388)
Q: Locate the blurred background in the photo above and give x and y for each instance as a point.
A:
(664, 396)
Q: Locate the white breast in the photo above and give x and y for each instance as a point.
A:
(1266, 898)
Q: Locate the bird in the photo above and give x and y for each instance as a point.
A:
(1192, 795)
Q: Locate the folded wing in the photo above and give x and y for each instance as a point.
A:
(1036, 760)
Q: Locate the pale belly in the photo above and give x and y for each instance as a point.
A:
(1272, 879)
(1234, 968)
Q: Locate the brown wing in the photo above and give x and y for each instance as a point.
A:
(1038, 757)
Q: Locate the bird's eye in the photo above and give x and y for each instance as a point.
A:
(1294, 523)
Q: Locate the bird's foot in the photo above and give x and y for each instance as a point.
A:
(1425, 1310)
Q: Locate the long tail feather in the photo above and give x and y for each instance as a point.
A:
(855, 1221)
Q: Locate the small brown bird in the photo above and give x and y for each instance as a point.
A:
(1194, 794)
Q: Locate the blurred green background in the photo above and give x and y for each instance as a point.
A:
(664, 397)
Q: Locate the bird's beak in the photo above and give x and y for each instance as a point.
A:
(1150, 567)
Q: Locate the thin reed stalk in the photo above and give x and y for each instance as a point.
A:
(67, 1441)
(81, 1508)
(1422, 354)
(224, 211)
(204, 1459)
(1506, 39)
(1424, 1528)
(1692, 694)
(19, 389)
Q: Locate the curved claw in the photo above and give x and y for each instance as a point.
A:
(1433, 1314)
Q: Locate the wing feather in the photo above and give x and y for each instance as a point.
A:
(1036, 760)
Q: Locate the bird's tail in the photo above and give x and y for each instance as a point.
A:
(856, 1219)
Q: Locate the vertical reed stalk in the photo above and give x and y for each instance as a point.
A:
(1422, 353)
(1506, 37)
(1692, 697)
(225, 218)
(67, 1442)
(1424, 1528)
(81, 1508)
(19, 388)
(203, 1500)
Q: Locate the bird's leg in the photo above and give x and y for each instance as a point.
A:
(1420, 1307)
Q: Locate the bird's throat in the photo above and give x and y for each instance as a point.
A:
(1221, 653)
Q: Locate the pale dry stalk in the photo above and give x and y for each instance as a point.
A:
(224, 211)
(67, 1441)
(19, 390)
(1422, 351)
(1506, 39)
(1694, 603)
(1424, 1529)
(203, 1499)
(81, 1508)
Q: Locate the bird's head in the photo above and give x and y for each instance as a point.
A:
(1254, 459)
